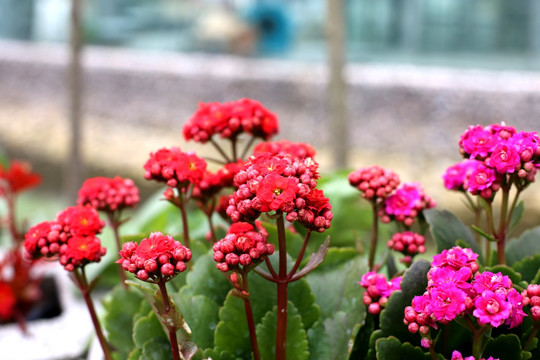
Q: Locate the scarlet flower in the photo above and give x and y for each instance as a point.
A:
(277, 193)
(108, 194)
(17, 177)
(84, 248)
(174, 167)
(297, 151)
(81, 220)
(152, 247)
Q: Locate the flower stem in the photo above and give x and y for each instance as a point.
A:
(300, 255)
(82, 284)
(247, 147)
(374, 236)
(282, 284)
(183, 213)
(249, 316)
(529, 343)
(175, 350)
(115, 225)
(501, 233)
(220, 150)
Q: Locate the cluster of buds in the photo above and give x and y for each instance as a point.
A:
(108, 194)
(456, 289)
(212, 183)
(409, 244)
(378, 290)
(157, 258)
(229, 120)
(270, 183)
(531, 297)
(497, 152)
(405, 204)
(17, 177)
(374, 182)
(242, 248)
(298, 151)
(70, 238)
(175, 168)
(456, 355)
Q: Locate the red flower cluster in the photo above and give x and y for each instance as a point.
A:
(242, 246)
(298, 151)
(531, 296)
(157, 258)
(407, 243)
(17, 177)
(109, 195)
(374, 182)
(175, 168)
(71, 237)
(278, 183)
(229, 120)
(213, 183)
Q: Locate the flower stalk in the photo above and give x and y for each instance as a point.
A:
(175, 349)
(282, 285)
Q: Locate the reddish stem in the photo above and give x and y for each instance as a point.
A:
(249, 316)
(282, 284)
(300, 256)
(175, 349)
(374, 236)
(183, 213)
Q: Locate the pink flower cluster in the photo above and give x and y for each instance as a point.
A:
(108, 194)
(456, 355)
(229, 120)
(456, 288)
(157, 258)
(270, 183)
(374, 182)
(242, 248)
(378, 290)
(405, 204)
(531, 297)
(409, 244)
(70, 238)
(494, 151)
(298, 151)
(212, 183)
(175, 168)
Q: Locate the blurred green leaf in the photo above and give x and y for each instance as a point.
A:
(147, 328)
(525, 245)
(507, 347)
(529, 267)
(516, 216)
(201, 315)
(156, 348)
(392, 349)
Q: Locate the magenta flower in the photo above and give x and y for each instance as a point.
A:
(481, 178)
(504, 158)
(447, 302)
(456, 176)
(405, 204)
(448, 274)
(492, 308)
(516, 301)
(457, 258)
(378, 290)
(493, 282)
(477, 142)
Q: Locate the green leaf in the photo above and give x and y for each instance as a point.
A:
(414, 281)
(377, 334)
(361, 342)
(391, 318)
(528, 267)
(516, 215)
(201, 315)
(135, 354)
(392, 349)
(526, 245)
(147, 327)
(446, 229)
(320, 347)
(120, 305)
(483, 233)
(156, 349)
(505, 347)
(217, 354)
(232, 333)
(297, 343)
(336, 257)
(294, 240)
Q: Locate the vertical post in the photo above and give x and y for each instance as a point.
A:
(534, 30)
(411, 25)
(73, 171)
(335, 26)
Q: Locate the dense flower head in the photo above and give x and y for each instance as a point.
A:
(229, 120)
(208, 187)
(71, 238)
(531, 297)
(456, 289)
(17, 177)
(378, 290)
(269, 183)
(408, 243)
(175, 167)
(156, 258)
(108, 194)
(242, 248)
(456, 355)
(406, 203)
(297, 151)
(457, 176)
(374, 182)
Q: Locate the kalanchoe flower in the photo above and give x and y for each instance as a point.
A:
(531, 297)
(406, 203)
(456, 257)
(79, 251)
(157, 258)
(407, 243)
(229, 120)
(457, 176)
(374, 182)
(378, 290)
(80, 221)
(175, 168)
(456, 355)
(242, 248)
(477, 142)
(108, 194)
(492, 308)
(298, 151)
(280, 184)
(17, 177)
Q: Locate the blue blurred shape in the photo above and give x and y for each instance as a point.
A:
(273, 25)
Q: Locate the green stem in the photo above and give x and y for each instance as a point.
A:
(478, 344)
(82, 284)
(374, 236)
(115, 224)
(501, 233)
(182, 207)
(175, 349)
(528, 344)
(282, 284)
(249, 316)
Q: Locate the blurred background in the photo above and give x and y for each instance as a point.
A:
(91, 87)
